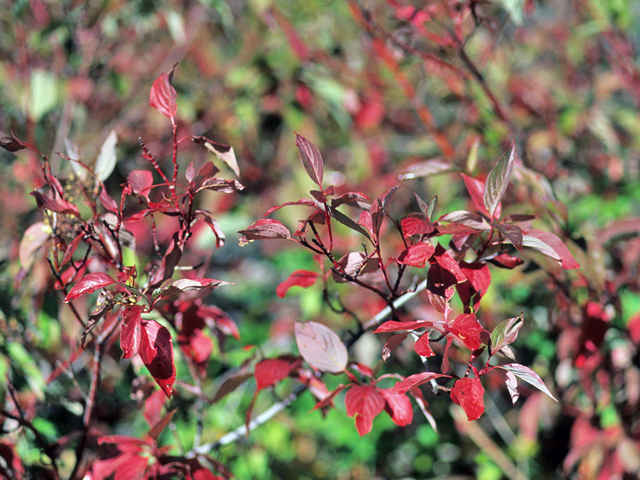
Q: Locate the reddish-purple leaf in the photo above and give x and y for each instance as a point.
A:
(497, 183)
(214, 225)
(156, 352)
(422, 347)
(131, 331)
(343, 219)
(355, 264)
(270, 371)
(506, 261)
(512, 232)
(469, 394)
(266, 228)
(354, 199)
(416, 224)
(467, 328)
(417, 255)
(159, 427)
(365, 402)
(321, 347)
(415, 380)
(307, 202)
(393, 326)
(550, 245)
(57, 205)
(230, 384)
(528, 375)
(398, 407)
(311, 159)
(89, 284)
(140, 182)
(163, 95)
(379, 209)
(108, 202)
(299, 278)
(468, 219)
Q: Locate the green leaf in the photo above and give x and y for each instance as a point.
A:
(44, 94)
(505, 333)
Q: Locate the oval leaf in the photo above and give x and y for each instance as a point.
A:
(131, 331)
(469, 394)
(270, 371)
(163, 95)
(321, 347)
(311, 159)
(299, 278)
(156, 352)
(89, 284)
(107, 158)
(497, 182)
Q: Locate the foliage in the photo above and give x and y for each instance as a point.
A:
(469, 224)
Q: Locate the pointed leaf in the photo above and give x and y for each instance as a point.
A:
(299, 278)
(140, 182)
(379, 208)
(468, 219)
(270, 371)
(159, 427)
(512, 232)
(89, 284)
(311, 159)
(156, 352)
(131, 331)
(393, 343)
(416, 224)
(107, 157)
(550, 245)
(343, 219)
(475, 188)
(417, 255)
(163, 96)
(422, 347)
(221, 185)
(469, 394)
(505, 333)
(512, 386)
(497, 182)
(223, 152)
(393, 326)
(266, 228)
(321, 347)
(34, 238)
(57, 205)
(364, 402)
(467, 328)
(398, 407)
(414, 381)
(528, 375)
(108, 202)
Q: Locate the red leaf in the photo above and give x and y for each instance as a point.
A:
(57, 205)
(108, 202)
(156, 352)
(214, 225)
(393, 343)
(271, 371)
(163, 95)
(479, 277)
(89, 284)
(417, 255)
(412, 381)
(422, 347)
(311, 159)
(321, 347)
(132, 468)
(393, 326)
(140, 182)
(354, 199)
(131, 331)
(266, 228)
(416, 224)
(633, 328)
(467, 328)
(159, 426)
(153, 407)
(299, 278)
(365, 402)
(307, 202)
(476, 191)
(550, 245)
(506, 261)
(469, 394)
(379, 209)
(398, 407)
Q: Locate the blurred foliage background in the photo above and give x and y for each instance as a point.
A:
(359, 79)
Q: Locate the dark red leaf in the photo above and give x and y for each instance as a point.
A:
(393, 326)
(158, 427)
(307, 202)
(417, 255)
(506, 261)
(512, 232)
(416, 224)
(413, 381)
(299, 278)
(163, 95)
(469, 394)
(379, 209)
(140, 182)
(311, 159)
(365, 402)
(467, 328)
(230, 384)
(398, 407)
(321, 347)
(354, 199)
(550, 245)
(57, 205)
(89, 284)
(156, 352)
(270, 371)
(131, 331)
